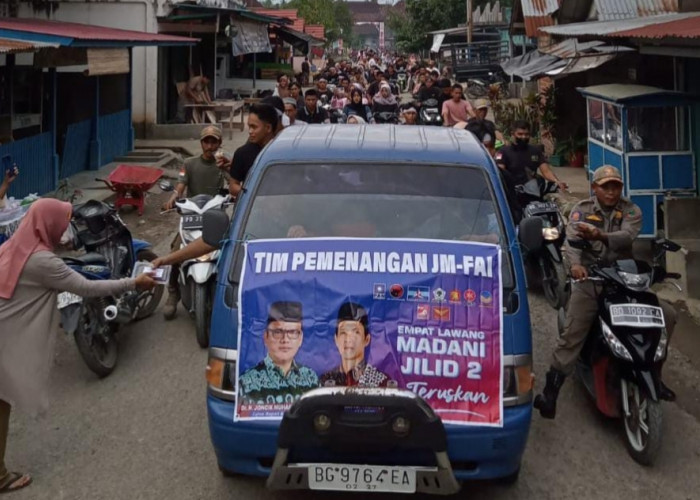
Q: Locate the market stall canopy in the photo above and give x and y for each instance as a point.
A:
(569, 56)
(297, 39)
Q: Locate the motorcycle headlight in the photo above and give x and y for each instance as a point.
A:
(661, 348)
(550, 233)
(638, 282)
(617, 348)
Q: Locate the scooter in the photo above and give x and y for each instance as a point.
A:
(548, 260)
(620, 363)
(429, 113)
(197, 278)
(478, 87)
(111, 253)
(335, 115)
(386, 117)
(402, 81)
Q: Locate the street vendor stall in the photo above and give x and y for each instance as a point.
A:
(645, 132)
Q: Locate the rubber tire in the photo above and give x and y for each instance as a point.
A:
(655, 421)
(202, 313)
(558, 296)
(100, 368)
(148, 255)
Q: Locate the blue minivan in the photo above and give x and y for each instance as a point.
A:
(416, 173)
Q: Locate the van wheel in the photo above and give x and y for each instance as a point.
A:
(510, 479)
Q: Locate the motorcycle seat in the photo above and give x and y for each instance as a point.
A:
(201, 199)
(91, 258)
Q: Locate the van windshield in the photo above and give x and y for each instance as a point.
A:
(374, 201)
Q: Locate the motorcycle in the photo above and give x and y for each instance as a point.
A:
(335, 115)
(402, 81)
(548, 260)
(429, 113)
(197, 278)
(110, 253)
(480, 88)
(620, 363)
(386, 117)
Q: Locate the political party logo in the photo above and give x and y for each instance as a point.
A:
(422, 311)
(379, 291)
(455, 296)
(396, 291)
(418, 293)
(486, 298)
(441, 313)
(470, 296)
(439, 295)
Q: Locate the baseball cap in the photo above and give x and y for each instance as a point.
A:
(481, 103)
(210, 131)
(607, 173)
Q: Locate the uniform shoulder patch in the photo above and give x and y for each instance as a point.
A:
(618, 214)
(575, 216)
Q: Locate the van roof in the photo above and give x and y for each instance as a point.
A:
(380, 143)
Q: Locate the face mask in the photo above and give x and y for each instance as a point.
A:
(522, 142)
(67, 236)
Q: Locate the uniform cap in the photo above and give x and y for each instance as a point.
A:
(210, 131)
(351, 311)
(290, 100)
(607, 173)
(285, 311)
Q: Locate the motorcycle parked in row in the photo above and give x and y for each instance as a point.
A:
(197, 277)
(429, 113)
(478, 88)
(620, 363)
(111, 253)
(548, 260)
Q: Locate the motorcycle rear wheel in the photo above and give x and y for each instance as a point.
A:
(641, 423)
(554, 283)
(201, 303)
(148, 301)
(100, 352)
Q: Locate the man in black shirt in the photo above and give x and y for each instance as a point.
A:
(483, 129)
(429, 91)
(522, 160)
(322, 89)
(311, 113)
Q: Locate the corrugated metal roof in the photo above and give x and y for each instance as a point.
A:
(681, 28)
(569, 48)
(8, 46)
(629, 9)
(290, 14)
(315, 30)
(609, 28)
(537, 14)
(86, 32)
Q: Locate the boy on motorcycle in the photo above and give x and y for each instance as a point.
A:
(610, 223)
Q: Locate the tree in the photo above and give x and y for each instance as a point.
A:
(334, 15)
(422, 16)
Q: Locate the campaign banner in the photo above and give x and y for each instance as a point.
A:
(420, 315)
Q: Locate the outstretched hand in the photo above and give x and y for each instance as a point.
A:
(11, 174)
(145, 282)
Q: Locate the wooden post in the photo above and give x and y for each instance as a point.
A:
(470, 20)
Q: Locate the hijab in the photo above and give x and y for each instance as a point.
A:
(41, 229)
(358, 108)
(380, 99)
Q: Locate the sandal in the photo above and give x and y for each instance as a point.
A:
(15, 481)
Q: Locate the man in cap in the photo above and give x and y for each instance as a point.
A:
(199, 175)
(352, 337)
(278, 378)
(610, 224)
(483, 129)
(290, 109)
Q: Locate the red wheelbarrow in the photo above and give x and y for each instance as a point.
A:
(131, 182)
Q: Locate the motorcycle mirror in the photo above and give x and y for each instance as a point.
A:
(670, 246)
(530, 233)
(214, 226)
(166, 186)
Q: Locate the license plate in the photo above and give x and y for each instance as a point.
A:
(637, 315)
(66, 298)
(192, 222)
(340, 477)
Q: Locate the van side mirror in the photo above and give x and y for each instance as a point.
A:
(214, 226)
(530, 233)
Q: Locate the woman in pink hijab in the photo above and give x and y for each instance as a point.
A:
(31, 277)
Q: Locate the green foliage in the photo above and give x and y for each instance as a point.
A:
(334, 15)
(536, 109)
(423, 16)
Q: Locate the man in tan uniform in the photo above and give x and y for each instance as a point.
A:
(611, 224)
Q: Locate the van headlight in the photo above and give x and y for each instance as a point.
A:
(221, 373)
(617, 348)
(638, 282)
(550, 233)
(661, 348)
